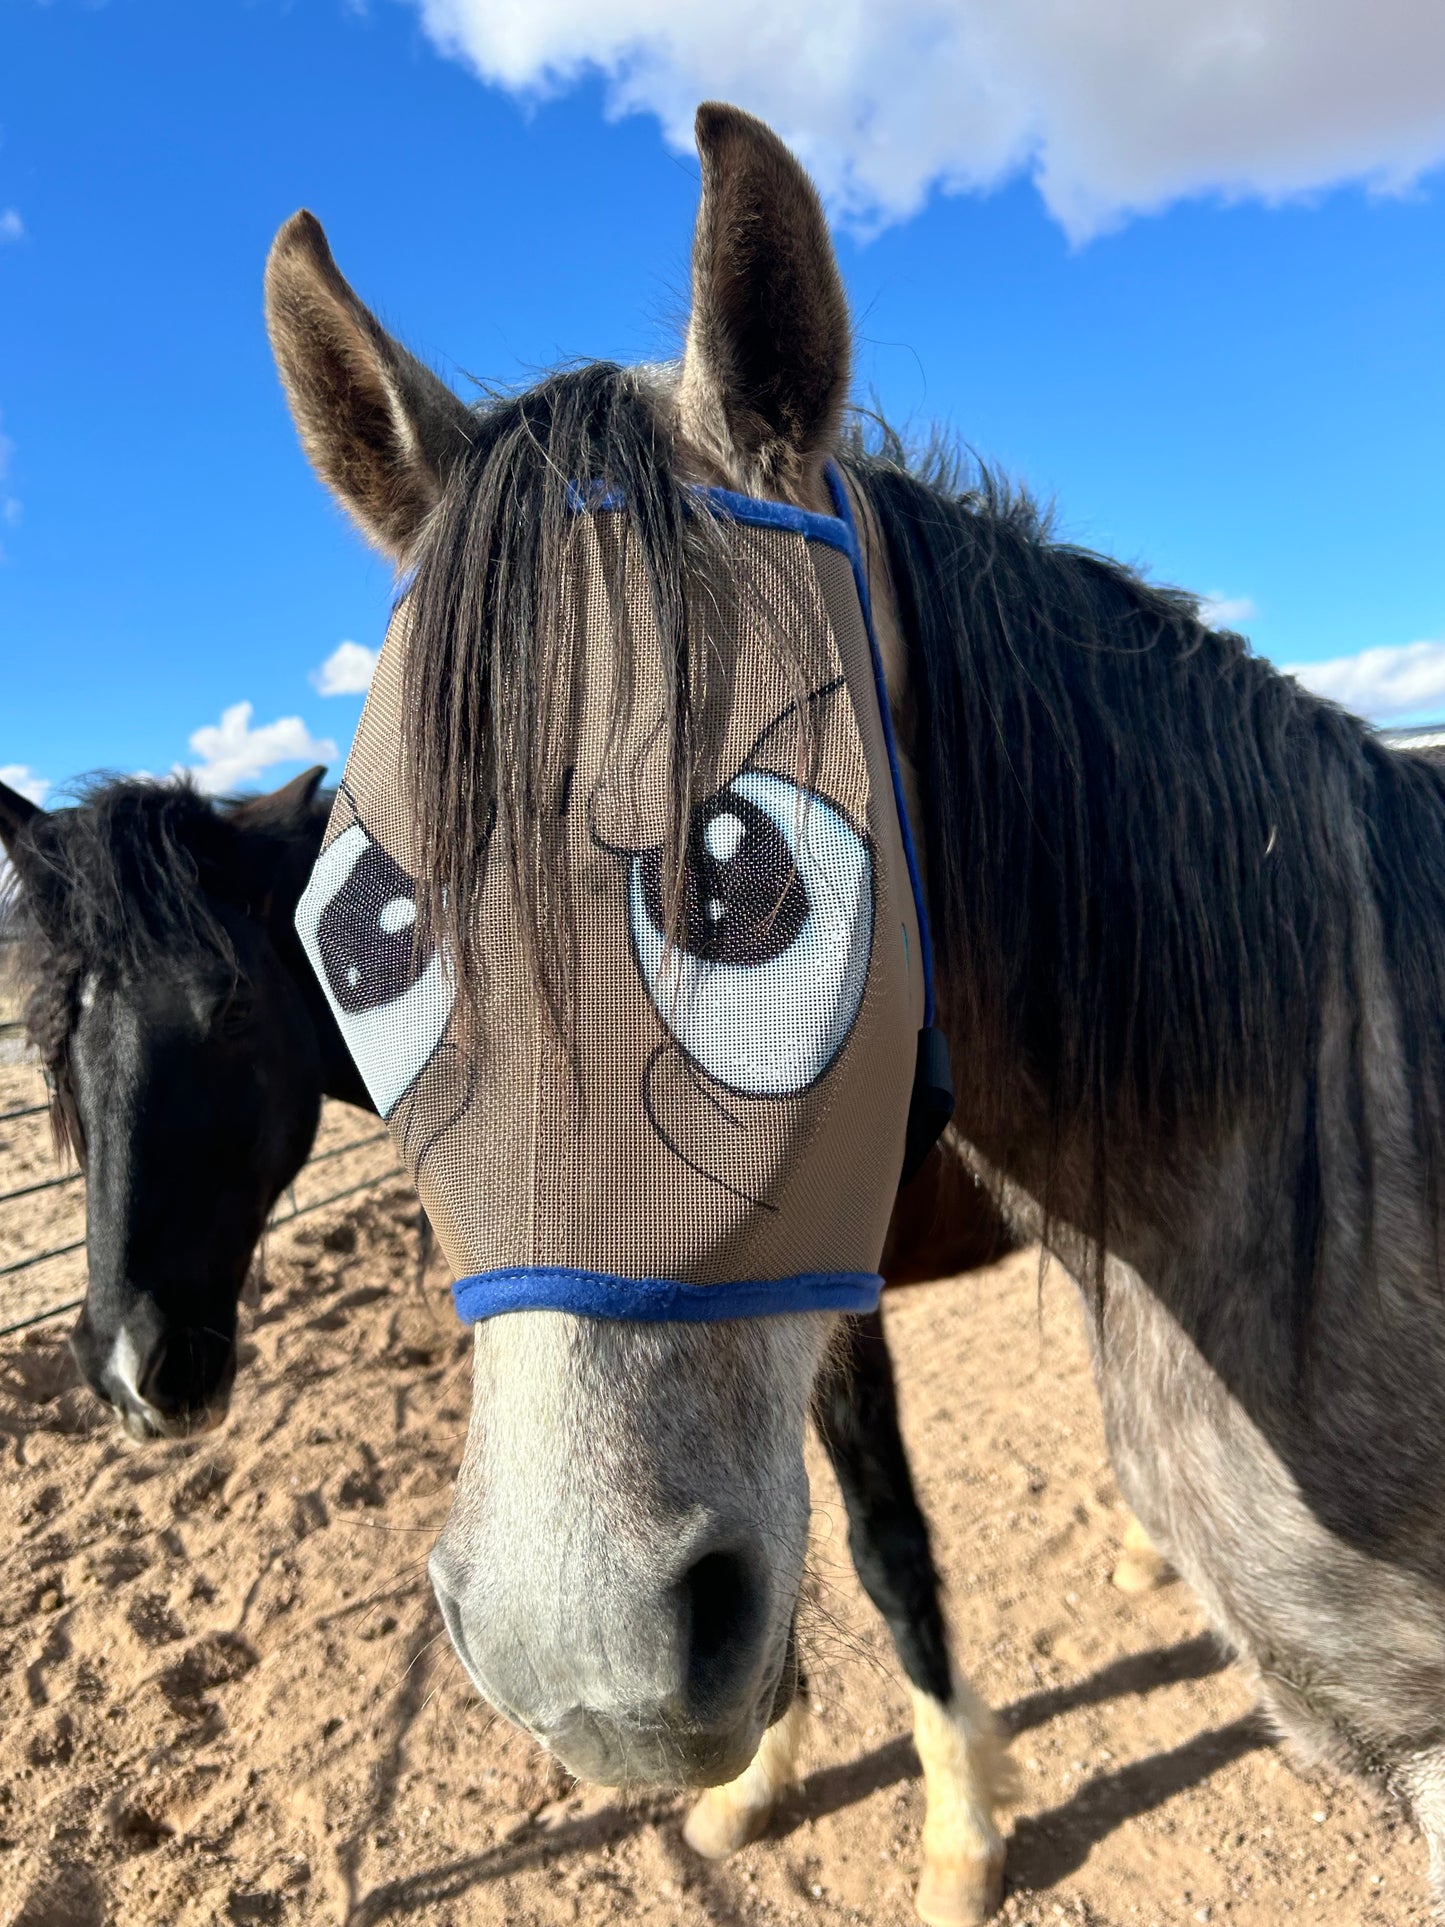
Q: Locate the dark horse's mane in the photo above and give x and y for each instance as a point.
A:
(128, 879)
(1142, 840)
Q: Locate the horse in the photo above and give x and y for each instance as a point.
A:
(1189, 930)
(187, 1052)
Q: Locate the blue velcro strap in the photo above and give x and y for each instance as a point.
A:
(596, 1294)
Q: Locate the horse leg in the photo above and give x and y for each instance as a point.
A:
(1142, 1567)
(1422, 1782)
(965, 1769)
(425, 1245)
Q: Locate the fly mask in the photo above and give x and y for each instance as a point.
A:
(750, 1064)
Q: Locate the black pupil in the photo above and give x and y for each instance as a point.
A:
(367, 934)
(743, 900)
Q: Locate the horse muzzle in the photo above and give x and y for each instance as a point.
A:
(674, 1690)
(164, 1381)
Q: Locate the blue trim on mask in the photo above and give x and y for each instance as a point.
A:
(651, 1301)
(834, 530)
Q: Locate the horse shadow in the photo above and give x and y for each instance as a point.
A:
(1044, 1848)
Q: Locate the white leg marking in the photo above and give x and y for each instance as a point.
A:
(966, 1773)
(1142, 1566)
(727, 1817)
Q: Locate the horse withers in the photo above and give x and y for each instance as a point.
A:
(187, 1048)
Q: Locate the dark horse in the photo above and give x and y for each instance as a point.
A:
(188, 1048)
(1190, 927)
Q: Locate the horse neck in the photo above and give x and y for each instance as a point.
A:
(1139, 950)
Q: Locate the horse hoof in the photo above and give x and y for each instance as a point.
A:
(720, 1823)
(1141, 1572)
(961, 1893)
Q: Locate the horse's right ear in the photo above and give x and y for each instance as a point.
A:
(382, 431)
(287, 808)
(16, 812)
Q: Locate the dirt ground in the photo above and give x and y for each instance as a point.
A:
(225, 1697)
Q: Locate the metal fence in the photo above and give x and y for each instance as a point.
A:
(19, 1068)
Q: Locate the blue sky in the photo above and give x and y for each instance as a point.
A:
(1209, 335)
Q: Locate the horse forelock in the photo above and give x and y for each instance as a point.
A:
(1150, 853)
(494, 667)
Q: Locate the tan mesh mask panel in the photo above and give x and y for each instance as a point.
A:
(727, 1112)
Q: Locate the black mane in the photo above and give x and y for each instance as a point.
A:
(129, 878)
(1142, 840)
(490, 712)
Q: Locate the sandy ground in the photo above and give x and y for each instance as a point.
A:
(224, 1696)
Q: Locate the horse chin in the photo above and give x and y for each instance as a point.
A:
(144, 1424)
(651, 1759)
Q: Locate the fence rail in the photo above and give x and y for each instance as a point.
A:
(27, 1261)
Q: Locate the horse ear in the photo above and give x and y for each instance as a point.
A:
(284, 809)
(765, 371)
(15, 812)
(382, 431)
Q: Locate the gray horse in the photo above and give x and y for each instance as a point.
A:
(1190, 946)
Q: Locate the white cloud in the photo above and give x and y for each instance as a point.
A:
(1227, 611)
(233, 753)
(347, 671)
(12, 228)
(20, 776)
(1381, 683)
(1115, 107)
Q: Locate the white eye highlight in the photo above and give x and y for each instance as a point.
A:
(356, 922)
(764, 981)
(399, 914)
(723, 836)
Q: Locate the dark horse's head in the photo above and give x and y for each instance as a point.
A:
(176, 1024)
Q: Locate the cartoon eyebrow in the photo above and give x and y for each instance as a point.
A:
(755, 749)
(793, 709)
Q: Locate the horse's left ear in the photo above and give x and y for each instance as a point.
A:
(765, 373)
(382, 431)
(284, 809)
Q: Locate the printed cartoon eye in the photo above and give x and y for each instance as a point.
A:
(764, 980)
(391, 1000)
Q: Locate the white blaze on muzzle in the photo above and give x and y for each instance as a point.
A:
(724, 1133)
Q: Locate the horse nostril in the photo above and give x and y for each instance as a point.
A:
(726, 1617)
(187, 1372)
